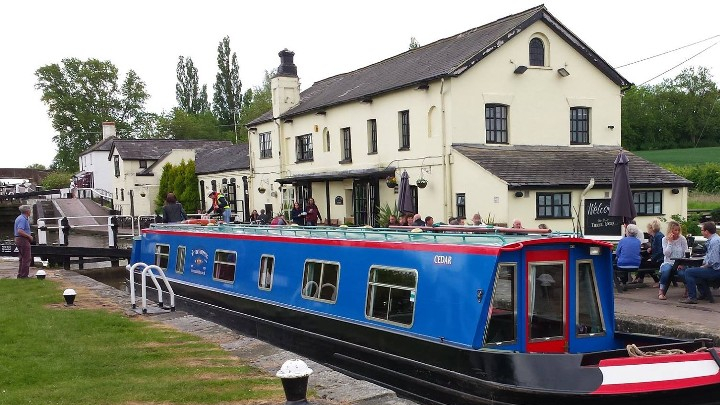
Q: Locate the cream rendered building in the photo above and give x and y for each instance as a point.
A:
(513, 119)
(137, 167)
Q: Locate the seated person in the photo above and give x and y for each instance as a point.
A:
(417, 220)
(674, 245)
(698, 277)
(628, 253)
(278, 220)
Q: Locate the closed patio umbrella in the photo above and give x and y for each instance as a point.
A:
(621, 200)
(405, 203)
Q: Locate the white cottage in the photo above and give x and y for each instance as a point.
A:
(518, 118)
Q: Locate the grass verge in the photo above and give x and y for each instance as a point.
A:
(54, 354)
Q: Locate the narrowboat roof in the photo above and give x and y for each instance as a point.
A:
(445, 235)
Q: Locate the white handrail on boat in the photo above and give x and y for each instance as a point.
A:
(148, 270)
(389, 235)
(132, 281)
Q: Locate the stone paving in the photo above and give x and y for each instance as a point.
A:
(637, 310)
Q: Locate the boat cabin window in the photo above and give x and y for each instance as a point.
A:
(224, 266)
(162, 255)
(180, 260)
(547, 300)
(589, 319)
(391, 295)
(501, 326)
(320, 280)
(267, 267)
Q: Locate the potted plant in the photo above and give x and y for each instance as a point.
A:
(421, 183)
(391, 182)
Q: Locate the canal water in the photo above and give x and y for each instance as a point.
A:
(99, 271)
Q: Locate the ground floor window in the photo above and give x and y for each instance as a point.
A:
(648, 202)
(553, 205)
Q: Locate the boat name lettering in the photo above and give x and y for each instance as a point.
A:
(442, 259)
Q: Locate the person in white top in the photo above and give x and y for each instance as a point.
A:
(674, 246)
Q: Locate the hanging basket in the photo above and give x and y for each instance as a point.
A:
(421, 183)
(261, 190)
(391, 182)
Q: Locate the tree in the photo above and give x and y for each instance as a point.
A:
(190, 97)
(37, 166)
(228, 87)
(182, 181)
(80, 96)
(179, 124)
(680, 112)
(414, 43)
(255, 102)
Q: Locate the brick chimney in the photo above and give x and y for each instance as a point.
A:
(108, 129)
(285, 86)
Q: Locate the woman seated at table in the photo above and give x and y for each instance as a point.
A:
(674, 246)
(628, 253)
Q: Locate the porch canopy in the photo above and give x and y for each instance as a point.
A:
(339, 175)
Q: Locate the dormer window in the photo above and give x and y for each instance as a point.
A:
(537, 52)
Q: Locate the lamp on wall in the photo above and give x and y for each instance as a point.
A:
(519, 194)
(563, 72)
(520, 69)
(675, 191)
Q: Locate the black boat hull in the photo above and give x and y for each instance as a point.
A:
(426, 371)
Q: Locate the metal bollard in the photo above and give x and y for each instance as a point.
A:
(294, 375)
(42, 232)
(63, 231)
(112, 231)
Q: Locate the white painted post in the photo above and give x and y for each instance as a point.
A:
(61, 233)
(42, 232)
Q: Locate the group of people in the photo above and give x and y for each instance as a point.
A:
(307, 216)
(664, 250)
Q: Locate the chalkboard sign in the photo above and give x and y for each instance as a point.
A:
(597, 220)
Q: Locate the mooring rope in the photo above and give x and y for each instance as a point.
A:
(634, 351)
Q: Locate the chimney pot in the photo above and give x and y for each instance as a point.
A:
(287, 67)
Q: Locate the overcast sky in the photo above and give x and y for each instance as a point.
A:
(328, 38)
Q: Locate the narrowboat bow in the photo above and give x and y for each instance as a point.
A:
(456, 318)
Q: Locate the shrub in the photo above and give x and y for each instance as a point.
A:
(56, 180)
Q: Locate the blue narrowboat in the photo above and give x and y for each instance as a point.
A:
(471, 316)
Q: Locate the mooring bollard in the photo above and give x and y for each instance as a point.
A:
(69, 295)
(294, 375)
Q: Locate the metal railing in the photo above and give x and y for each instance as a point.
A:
(360, 233)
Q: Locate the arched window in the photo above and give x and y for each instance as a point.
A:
(537, 52)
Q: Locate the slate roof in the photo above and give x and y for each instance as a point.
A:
(538, 167)
(443, 58)
(215, 160)
(153, 149)
(103, 146)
